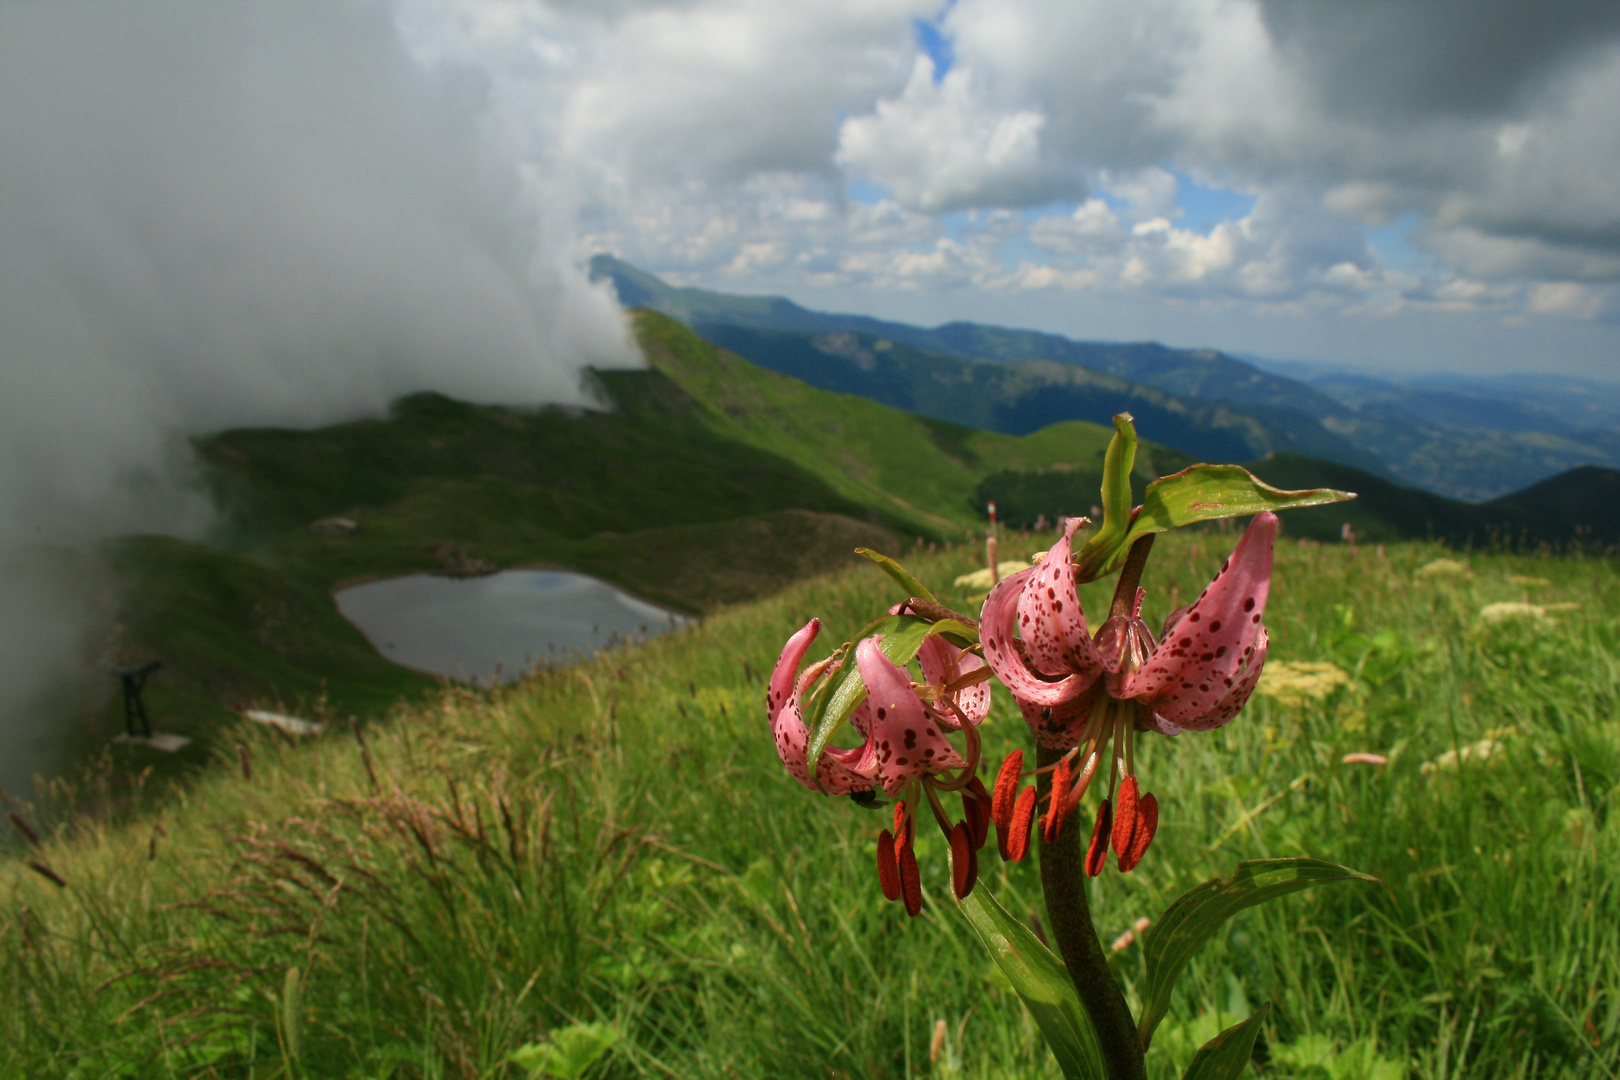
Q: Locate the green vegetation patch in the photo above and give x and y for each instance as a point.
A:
(617, 845)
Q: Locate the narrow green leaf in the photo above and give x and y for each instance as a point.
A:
(958, 633)
(1226, 1055)
(842, 692)
(1197, 913)
(1106, 548)
(1042, 981)
(900, 574)
(1117, 465)
(292, 1013)
(1211, 492)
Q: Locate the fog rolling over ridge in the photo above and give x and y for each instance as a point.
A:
(216, 214)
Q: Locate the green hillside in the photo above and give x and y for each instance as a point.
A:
(701, 481)
(1016, 397)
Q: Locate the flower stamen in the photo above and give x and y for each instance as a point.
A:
(1016, 844)
(976, 809)
(910, 881)
(964, 861)
(888, 866)
(1058, 812)
(1097, 853)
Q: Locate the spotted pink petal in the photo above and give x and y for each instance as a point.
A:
(780, 688)
(836, 775)
(1061, 727)
(996, 631)
(944, 663)
(907, 742)
(1197, 666)
(1238, 696)
(1049, 616)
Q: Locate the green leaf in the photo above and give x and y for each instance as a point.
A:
(842, 692)
(900, 574)
(1106, 548)
(292, 1013)
(958, 633)
(1209, 493)
(1042, 981)
(1197, 913)
(1226, 1055)
(568, 1052)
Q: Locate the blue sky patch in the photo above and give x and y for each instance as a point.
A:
(933, 42)
(1393, 242)
(865, 191)
(1206, 207)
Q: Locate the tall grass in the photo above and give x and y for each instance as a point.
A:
(617, 843)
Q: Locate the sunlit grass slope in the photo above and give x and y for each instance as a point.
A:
(701, 481)
(699, 438)
(617, 843)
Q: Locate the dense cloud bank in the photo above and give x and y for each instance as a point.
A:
(248, 213)
(256, 212)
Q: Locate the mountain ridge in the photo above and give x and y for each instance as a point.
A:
(1409, 434)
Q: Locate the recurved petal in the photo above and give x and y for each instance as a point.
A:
(1197, 664)
(841, 771)
(997, 623)
(1237, 695)
(943, 663)
(792, 737)
(780, 687)
(905, 740)
(793, 744)
(1049, 616)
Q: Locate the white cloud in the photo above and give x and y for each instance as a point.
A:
(248, 213)
(938, 147)
(715, 139)
(255, 213)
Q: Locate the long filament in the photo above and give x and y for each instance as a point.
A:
(933, 804)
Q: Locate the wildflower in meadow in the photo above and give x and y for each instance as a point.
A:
(905, 751)
(1085, 697)
(1080, 692)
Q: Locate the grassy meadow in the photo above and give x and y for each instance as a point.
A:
(616, 844)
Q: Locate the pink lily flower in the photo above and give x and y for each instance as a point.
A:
(1078, 691)
(904, 748)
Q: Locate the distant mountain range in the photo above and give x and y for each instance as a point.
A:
(1465, 439)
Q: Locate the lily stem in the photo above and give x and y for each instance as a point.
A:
(1068, 911)
(1130, 576)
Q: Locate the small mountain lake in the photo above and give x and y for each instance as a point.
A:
(495, 628)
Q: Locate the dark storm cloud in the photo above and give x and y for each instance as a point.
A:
(1405, 60)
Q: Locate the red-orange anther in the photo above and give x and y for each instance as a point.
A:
(888, 866)
(976, 808)
(1016, 838)
(1097, 853)
(964, 860)
(1125, 815)
(1147, 823)
(910, 883)
(901, 833)
(1001, 805)
(1058, 812)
